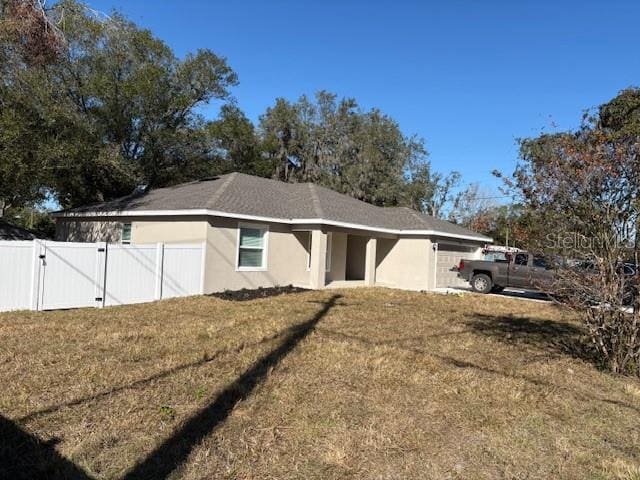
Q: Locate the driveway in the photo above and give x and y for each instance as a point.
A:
(531, 295)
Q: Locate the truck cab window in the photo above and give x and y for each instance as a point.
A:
(539, 262)
(521, 259)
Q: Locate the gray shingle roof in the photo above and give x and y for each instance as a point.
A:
(241, 194)
(8, 231)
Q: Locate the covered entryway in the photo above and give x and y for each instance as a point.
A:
(356, 257)
(350, 260)
(448, 258)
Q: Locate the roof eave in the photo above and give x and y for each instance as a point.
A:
(259, 218)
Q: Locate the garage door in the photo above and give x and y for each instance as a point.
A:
(449, 257)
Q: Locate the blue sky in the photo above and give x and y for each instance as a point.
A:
(468, 76)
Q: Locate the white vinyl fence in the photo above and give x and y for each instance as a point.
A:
(43, 275)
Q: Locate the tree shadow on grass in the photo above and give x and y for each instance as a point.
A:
(24, 456)
(144, 381)
(401, 344)
(169, 455)
(553, 338)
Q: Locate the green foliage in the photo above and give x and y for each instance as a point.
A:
(236, 143)
(140, 98)
(116, 109)
(507, 224)
(111, 107)
(428, 191)
(621, 115)
(335, 143)
(21, 155)
(167, 413)
(34, 219)
(580, 194)
(201, 392)
(575, 181)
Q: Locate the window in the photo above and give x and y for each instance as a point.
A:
(125, 239)
(309, 253)
(521, 259)
(539, 262)
(252, 247)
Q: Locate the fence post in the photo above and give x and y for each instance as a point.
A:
(159, 270)
(36, 262)
(101, 274)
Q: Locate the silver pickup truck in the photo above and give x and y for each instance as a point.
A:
(522, 270)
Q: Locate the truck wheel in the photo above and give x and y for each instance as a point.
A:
(481, 283)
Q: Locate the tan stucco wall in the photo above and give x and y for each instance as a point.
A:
(286, 260)
(71, 230)
(143, 230)
(404, 263)
(172, 231)
(338, 257)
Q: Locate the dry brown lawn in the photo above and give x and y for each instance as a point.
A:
(363, 383)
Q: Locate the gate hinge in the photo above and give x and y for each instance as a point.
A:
(98, 299)
(42, 256)
(101, 250)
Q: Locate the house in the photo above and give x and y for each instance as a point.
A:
(9, 231)
(260, 232)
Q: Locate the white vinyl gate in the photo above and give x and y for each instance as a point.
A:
(69, 275)
(43, 275)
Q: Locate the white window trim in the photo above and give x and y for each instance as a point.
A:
(328, 253)
(264, 228)
(122, 240)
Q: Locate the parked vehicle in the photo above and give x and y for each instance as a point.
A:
(525, 270)
(522, 270)
(629, 274)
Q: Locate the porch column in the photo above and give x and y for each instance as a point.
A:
(370, 263)
(318, 259)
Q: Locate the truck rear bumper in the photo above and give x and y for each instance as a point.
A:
(464, 276)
